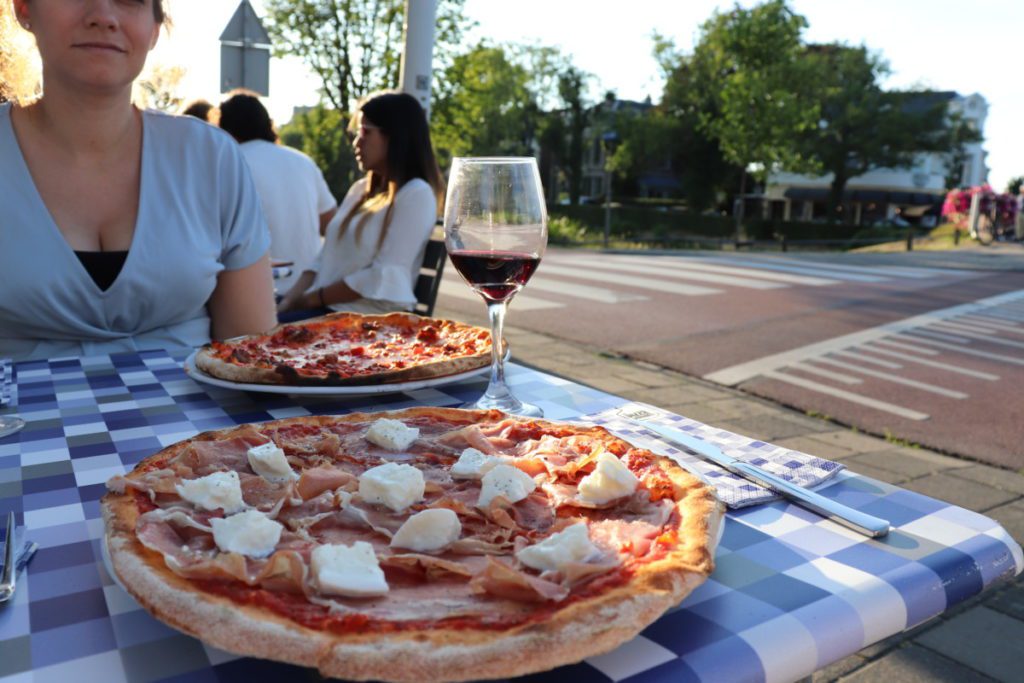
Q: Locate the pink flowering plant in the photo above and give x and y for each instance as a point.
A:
(1001, 208)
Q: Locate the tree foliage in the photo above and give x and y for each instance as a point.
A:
(749, 75)
(355, 46)
(320, 133)
(863, 126)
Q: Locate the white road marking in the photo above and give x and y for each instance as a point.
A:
(957, 328)
(731, 376)
(521, 302)
(907, 347)
(868, 359)
(990, 323)
(928, 332)
(630, 281)
(693, 263)
(806, 270)
(598, 294)
(848, 396)
(895, 379)
(992, 340)
(662, 270)
(821, 372)
(934, 364)
(902, 271)
(965, 350)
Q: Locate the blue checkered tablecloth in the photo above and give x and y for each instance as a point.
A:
(791, 592)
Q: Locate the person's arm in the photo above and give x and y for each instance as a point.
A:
(325, 218)
(243, 301)
(294, 296)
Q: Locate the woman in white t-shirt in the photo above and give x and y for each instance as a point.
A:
(374, 244)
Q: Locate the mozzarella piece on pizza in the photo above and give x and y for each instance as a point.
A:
(348, 570)
(396, 486)
(610, 480)
(571, 545)
(217, 491)
(509, 482)
(474, 464)
(249, 533)
(268, 461)
(393, 435)
(428, 530)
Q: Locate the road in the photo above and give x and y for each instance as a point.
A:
(923, 348)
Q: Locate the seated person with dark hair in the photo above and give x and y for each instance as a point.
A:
(292, 190)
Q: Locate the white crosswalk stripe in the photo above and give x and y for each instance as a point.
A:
(624, 278)
(674, 272)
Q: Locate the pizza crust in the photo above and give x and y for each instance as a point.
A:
(584, 628)
(207, 360)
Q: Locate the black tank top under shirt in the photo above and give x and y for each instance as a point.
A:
(103, 266)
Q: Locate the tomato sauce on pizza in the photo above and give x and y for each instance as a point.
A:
(350, 348)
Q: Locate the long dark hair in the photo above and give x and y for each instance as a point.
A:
(410, 155)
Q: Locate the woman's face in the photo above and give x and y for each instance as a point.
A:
(91, 45)
(371, 147)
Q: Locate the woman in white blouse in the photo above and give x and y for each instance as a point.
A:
(374, 245)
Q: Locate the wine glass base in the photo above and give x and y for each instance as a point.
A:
(507, 404)
(10, 425)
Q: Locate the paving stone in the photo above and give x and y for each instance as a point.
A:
(898, 462)
(914, 664)
(1004, 480)
(1010, 600)
(653, 378)
(851, 440)
(702, 412)
(1011, 518)
(674, 394)
(983, 640)
(770, 427)
(836, 670)
(869, 470)
(812, 446)
(962, 492)
(941, 461)
(741, 407)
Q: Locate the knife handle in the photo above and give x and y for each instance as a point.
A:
(861, 522)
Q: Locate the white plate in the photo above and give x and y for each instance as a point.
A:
(198, 375)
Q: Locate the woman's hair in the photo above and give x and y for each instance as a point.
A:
(19, 72)
(245, 118)
(200, 109)
(410, 154)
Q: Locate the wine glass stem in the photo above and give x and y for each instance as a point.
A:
(496, 389)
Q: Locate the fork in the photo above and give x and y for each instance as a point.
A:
(13, 565)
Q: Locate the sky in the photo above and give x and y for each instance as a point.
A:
(973, 47)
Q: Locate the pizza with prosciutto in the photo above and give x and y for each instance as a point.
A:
(423, 544)
(344, 349)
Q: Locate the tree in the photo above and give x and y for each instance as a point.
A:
(487, 108)
(354, 46)
(320, 133)
(864, 127)
(571, 84)
(1013, 186)
(751, 86)
(160, 88)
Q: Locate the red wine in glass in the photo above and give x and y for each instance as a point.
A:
(496, 275)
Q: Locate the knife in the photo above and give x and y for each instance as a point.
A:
(861, 522)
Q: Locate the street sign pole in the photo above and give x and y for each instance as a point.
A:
(245, 52)
(418, 55)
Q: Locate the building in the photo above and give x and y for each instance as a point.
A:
(884, 194)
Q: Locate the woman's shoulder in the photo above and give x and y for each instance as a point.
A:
(417, 188)
(181, 129)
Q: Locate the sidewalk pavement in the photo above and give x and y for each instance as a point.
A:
(980, 640)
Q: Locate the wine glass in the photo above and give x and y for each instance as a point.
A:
(495, 230)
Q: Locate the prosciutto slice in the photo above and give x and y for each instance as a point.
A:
(503, 580)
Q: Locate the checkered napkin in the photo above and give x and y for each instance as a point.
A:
(6, 381)
(736, 492)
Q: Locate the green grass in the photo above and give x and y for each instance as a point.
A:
(941, 238)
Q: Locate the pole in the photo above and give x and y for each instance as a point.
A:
(607, 206)
(418, 52)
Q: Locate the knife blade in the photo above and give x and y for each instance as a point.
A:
(861, 522)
